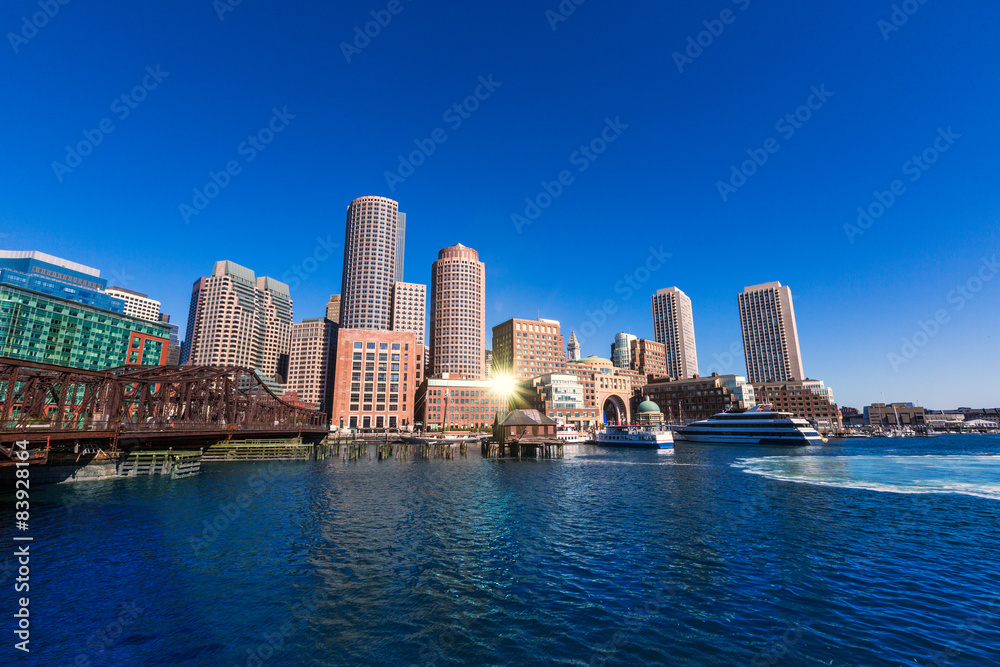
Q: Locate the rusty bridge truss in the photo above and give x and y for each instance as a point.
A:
(57, 402)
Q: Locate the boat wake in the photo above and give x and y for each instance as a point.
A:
(967, 475)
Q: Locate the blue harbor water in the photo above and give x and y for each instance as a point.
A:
(862, 552)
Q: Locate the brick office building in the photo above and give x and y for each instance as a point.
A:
(376, 376)
(649, 358)
(693, 399)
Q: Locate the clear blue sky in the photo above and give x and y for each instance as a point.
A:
(655, 185)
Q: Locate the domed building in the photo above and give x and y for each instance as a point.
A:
(648, 413)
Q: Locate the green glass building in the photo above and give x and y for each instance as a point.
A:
(40, 328)
(55, 312)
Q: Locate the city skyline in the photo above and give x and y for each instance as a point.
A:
(869, 284)
(724, 363)
(408, 333)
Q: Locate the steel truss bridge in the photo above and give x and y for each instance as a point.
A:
(129, 406)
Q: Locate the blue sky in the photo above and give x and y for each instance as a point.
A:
(887, 92)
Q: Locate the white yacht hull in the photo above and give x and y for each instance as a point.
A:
(759, 426)
(782, 440)
(660, 441)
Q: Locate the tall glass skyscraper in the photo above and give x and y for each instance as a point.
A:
(621, 350)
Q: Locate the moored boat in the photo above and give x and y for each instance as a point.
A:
(644, 436)
(650, 432)
(569, 434)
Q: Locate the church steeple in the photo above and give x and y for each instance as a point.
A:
(573, 348)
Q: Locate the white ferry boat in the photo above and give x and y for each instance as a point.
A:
(650, 432)
(642, 435)
(760, 425)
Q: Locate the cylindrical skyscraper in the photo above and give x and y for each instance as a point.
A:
(458, 313)
(371, 251)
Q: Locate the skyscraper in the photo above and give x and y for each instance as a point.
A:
(621, 350)
(275, 326)
(372, 258)
(673, 325)
(649, 357)
(174, 351)
(770, 337)
(400, 244)
(238, 319)
(409, 308)
(458, 313)
(333, 309)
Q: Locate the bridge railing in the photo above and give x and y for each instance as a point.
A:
(13, 426)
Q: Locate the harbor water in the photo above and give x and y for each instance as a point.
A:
(861, 552)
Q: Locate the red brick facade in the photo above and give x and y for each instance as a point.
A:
(376, 378)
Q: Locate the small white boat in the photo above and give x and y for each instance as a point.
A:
(570, 435)
(647, 436)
